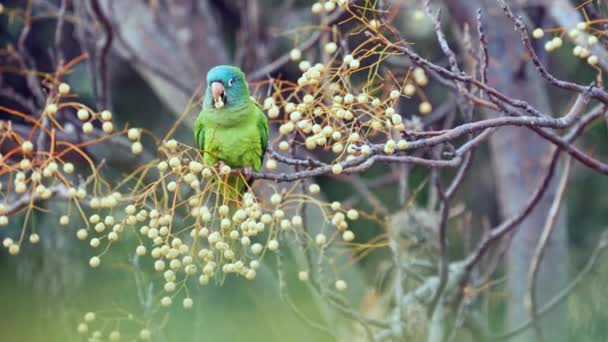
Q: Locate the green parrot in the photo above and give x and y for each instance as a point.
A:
(231, 128)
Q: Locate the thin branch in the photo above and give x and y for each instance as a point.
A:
(268, 69)
(599, 94)
(483, 51)
(104, 95)
(531, 300)
(564, 293)
(512, 223)
(59, 33)
(27, 61)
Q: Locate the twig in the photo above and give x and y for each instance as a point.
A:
(59, 33)
(510, 224)
(27, 61)
(483, 51)
(286, 298)
(104, 95)
(284, 59)
(564, 293)
(531, 300)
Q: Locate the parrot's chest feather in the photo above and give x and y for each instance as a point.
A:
(237, 146)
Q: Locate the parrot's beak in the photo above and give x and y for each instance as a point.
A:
(217, 92)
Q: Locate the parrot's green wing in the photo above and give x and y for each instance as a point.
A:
(199, 132)
(262, 123)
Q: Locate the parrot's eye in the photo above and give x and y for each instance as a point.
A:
(231, 82)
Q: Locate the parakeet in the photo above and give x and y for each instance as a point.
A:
(231, 128)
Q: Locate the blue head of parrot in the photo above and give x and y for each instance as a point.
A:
(226, 87)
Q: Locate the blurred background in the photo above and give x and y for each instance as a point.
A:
(146, 60)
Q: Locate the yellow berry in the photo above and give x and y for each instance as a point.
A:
(329, 6)
(330, 48)
(592, 60)
(107, 127)
(317, 8)
(273, 245)
(343, 3)
(83, 328)
(374, 24)
(83, 114)
(87, 128)
(574, 33)
(273, 112)
(557, 42)
(402, 144)
(271, 164)
(133, 134)
(114, 336)
(336, 169)
(425, 107)
(145, 334)
(257, 248)
(320, 239)
(394, 94)
(166, 301)
(352, 214)
(27, 146)
(341, 285)
(592, 40)
(89, 317)
(409, 89)
(68, 168)
(137, 148)
(51, 109)
(106, 115)
(582, 26)
(348, 236)
(94, 262)
(275, 199)
(314, 189)
(304, 66)
(295, 54)
(64, 220)
(34, 238)
(64, 88)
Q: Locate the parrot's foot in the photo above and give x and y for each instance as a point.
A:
(223, 168)
(220, 164)
(247, 173)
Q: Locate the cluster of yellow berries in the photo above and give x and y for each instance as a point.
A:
(40, 180)
(328, 6)
(585, 41)
(90, 319)
(191, 235)
(328, 115)
(42, 174)
(329, 112)
(88, 116)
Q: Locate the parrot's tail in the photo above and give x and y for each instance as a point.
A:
(231, 188)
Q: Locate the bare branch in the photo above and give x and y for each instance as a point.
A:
(531, 300)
